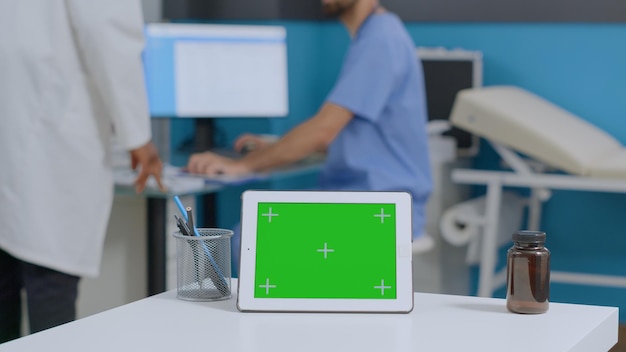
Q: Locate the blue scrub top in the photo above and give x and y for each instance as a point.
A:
(384, 147)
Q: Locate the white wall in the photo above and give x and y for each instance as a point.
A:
(123, 270)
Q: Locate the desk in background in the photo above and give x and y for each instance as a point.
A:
(157, 213)
(437, 323)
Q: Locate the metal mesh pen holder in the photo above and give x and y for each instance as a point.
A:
(203, 265)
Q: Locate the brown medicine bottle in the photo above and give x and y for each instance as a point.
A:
(528, 273)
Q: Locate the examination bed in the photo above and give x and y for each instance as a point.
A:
(546, 147)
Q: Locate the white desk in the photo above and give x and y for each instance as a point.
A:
(438, 323)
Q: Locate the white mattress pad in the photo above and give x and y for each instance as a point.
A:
(531, 125)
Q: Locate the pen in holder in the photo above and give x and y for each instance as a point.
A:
(203, 265)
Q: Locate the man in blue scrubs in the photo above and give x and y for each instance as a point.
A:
(372, 124)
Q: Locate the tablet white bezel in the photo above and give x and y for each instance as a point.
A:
(404, 291)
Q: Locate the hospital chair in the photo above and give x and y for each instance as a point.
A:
(560, 151)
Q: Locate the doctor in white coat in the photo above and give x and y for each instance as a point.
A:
(70, 77)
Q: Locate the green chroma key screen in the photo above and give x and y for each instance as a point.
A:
(326, 250)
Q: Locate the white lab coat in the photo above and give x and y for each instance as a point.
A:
(70, 73)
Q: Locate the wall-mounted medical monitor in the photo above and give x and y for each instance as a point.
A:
(207, 70)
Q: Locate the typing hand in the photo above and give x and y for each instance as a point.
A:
(211, 164)
(147, 159)
(249, 142)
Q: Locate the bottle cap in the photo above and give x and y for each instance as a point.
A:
(527, 236)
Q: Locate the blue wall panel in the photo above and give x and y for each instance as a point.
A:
(581, 67)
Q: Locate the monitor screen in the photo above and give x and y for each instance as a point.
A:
(446, 72)
(207, 70)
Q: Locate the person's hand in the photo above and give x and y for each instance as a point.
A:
(211, 164)
(147, 159)
(248, 142)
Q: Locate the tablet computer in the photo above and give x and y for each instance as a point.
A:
(325, 251)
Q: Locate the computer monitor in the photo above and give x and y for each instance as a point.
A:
(209, 70)
(446, 72)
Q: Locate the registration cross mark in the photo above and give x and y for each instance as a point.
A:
(269, 215)
(267, 286)
(382, 215)
(382, 287)
(325, 250)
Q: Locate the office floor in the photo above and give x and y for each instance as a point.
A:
(621, 340)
